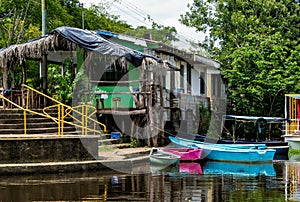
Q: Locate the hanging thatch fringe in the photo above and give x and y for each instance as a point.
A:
(34, 49)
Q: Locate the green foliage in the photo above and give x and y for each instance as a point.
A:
(60, 82)
(204, 121)
(133, 143)
(257, 43)
(293, 152)
(20, 21)
(158, 32)
(98, 17)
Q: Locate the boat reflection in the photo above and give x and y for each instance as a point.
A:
(190, 168)
(157, 169)
(238, 169)
(218, 168)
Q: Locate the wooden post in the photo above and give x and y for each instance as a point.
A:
(23, 72)
(161, 92)
(5, 75)
(149, 99)
(142, 83)
(44, 73)
(23, 82)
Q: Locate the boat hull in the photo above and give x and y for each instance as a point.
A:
(163, 158)
(240, 155)
(247, 154)
(186, 154)
(293, 141)
(281, 147)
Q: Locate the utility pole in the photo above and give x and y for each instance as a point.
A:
(44, 18)
(82, 15)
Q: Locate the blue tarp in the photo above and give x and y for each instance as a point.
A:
(93, 42)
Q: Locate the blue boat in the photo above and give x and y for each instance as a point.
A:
(260, 123)
(177, 140)
(232, 153)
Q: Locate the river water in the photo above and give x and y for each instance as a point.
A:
(201, 181)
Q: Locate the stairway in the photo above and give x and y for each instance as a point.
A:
(12, 123)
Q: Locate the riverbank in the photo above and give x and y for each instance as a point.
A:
(123, 160)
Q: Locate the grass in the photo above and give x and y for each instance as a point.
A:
(106, 149)
(294, 151)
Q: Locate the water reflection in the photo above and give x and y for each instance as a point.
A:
(204, 181)
(292, 178)
(239, 169)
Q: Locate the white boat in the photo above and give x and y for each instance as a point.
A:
(160, 157)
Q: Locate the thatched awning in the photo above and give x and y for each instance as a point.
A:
(64, 41)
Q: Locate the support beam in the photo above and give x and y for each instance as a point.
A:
(44, 73)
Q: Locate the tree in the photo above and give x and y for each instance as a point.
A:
(97, 17)
(158, 33)
(257, 43)
(20, 21)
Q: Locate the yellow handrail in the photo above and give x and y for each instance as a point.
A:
(64, 111)
(62, 106)
(24, 111)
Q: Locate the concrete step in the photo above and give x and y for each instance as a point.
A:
(21, 116)
(36, 120)
(20, 111)
(20, 125)
(12, 122)
(34, 130)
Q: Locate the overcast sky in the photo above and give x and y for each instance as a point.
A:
(165, 12)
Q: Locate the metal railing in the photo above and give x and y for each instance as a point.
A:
(81, 115)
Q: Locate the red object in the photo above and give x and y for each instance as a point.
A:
(298, 109)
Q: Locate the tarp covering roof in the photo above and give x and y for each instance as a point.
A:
(63, 37)
(93, 42)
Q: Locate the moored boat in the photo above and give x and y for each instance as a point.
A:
(281, 147)
(177, 140)
(246, 153)
(186, 154)
(292, 123)
(259, 123)
(160, 157)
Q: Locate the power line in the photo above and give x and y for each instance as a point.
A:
(129, 13)
(136, 13)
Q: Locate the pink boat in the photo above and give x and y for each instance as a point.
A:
(186, 154)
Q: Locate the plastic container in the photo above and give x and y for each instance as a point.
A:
(115, 135)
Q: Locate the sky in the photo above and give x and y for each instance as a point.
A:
(164, 12)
